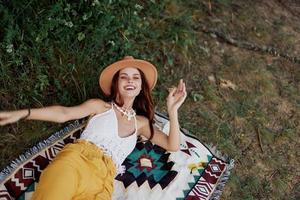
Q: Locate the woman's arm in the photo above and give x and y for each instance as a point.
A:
(55, 113)
(175, 99)
(169, 142)
(174, 132)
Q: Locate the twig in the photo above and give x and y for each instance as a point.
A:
(124, 36)
(273, 174)
(259, 139)
(209, 8)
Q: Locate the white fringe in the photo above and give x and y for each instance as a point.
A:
(222, 181)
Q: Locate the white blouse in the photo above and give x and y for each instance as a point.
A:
(102, 130)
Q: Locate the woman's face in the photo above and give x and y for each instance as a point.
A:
(129, 82)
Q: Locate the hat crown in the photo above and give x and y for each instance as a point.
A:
(128, 58)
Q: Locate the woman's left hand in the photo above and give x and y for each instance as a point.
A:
(176, 96)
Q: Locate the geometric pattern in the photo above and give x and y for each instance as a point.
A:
(206, 183)
(187, 147)
(4, 194)
(28, 173)
(149, 163)
(198, 173)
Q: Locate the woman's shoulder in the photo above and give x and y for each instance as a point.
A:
(99, 105)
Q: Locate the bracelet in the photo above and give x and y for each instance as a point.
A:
(28, 114)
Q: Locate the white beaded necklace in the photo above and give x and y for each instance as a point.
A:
(129, 113)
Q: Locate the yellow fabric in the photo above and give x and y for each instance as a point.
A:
(80, 171)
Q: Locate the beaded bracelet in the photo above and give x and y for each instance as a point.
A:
(28, 114)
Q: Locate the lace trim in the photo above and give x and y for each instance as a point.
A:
(120, 168)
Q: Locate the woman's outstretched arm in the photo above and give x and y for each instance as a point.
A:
(54, 113)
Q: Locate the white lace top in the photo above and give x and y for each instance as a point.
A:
(102, 130)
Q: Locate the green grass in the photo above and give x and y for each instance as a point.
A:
(51, 52)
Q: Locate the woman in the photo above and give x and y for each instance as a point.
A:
(86, 169)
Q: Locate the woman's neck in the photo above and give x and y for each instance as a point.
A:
(127, 103)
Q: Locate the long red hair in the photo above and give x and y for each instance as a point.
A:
(143, 103)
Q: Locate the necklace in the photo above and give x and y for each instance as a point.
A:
(129, 113)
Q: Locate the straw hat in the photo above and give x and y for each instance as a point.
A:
(107, 74)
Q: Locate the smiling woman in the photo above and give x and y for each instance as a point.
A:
(129, 81)
(86, 169)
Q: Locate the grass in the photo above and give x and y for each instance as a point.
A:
(52, 53)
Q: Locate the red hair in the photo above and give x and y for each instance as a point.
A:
(143, 103)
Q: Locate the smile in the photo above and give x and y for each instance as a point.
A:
(129, 87)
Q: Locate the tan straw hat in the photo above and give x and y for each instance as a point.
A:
(107, 74)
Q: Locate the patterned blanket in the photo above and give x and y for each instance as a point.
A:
(194, 172)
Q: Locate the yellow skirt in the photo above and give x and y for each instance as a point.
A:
(80, 171)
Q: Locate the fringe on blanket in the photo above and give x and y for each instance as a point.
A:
(222, 181)
(36, 149)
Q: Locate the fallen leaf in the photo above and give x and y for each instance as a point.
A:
(227, 84)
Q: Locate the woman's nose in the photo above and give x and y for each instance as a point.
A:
(130, 80)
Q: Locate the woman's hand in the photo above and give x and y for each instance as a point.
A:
(9, 117)
(176, 96)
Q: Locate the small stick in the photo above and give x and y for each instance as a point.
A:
(209, 7)
(259, 139)
(273, 174)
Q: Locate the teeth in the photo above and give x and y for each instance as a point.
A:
(129, 88)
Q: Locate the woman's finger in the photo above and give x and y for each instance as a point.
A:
(182, 98)
(172, 91)
(180, 85)
(171, 88)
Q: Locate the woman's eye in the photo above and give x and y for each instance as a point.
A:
(125, 77)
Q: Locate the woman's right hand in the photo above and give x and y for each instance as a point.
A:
(8, 117)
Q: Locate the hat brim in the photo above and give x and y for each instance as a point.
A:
(107, 74)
